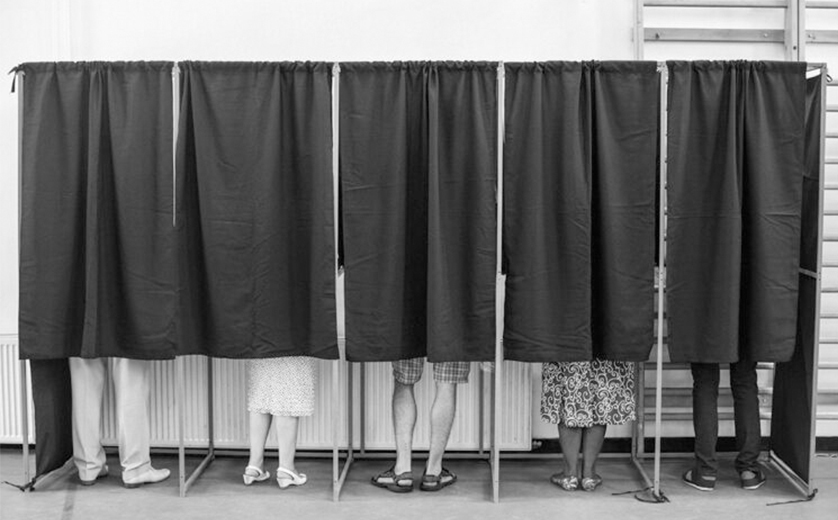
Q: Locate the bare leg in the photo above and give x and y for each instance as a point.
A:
(570, 440)
(286, 434)
(260, 424)
(592, 439)
(442, 418)
(404, 422)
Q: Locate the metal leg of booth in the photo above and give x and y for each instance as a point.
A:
(339, 475)
(186, 481)
(24, 423)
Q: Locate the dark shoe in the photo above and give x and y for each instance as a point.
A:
(401, 483)
(102, 474)
(566, 482)
(752, 479)
(693, 479)
(437, 482)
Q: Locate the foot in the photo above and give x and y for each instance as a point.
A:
(254, 474)
(436, 482)
(288, 477)
(390, 480)
(591, 483)
(564, 481)
(752, 479)
(695, 480)
(152, 476)
(103, 472)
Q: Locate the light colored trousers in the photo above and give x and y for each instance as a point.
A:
(131, 391)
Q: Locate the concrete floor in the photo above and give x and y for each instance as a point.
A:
(525, 493)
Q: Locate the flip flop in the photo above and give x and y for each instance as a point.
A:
(566, 482)
(401, 483)
(437, 482)
(591, 483)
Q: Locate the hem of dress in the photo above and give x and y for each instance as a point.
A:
(627, 420)
(282, 413)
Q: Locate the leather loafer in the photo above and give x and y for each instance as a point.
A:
(151, 476)
(103, 472)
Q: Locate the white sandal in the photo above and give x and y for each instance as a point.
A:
(297, 479)
(253, 474)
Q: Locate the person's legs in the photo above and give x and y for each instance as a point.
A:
(702, 475)
(442, 418)
(286, 434)
(404, 423)
(406, 373)
(592, 439)
(87, 380)
(447, 375)
(131, 379)
(743, 384)
(131, 389)
(570, 440)
(260, 425)
(706, 417)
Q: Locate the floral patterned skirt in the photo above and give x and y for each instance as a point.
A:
(587, 393)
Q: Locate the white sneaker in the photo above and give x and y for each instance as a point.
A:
(151, 476)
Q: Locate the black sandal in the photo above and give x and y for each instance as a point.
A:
(395, 485)
(437, 482)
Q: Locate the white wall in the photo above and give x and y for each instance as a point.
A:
(248, 30)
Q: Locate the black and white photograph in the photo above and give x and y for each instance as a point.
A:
(419, 259)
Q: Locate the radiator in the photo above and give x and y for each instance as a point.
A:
(11, 425)
(230, 417)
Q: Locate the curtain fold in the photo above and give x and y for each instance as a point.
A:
(736, 135)
(579, 210)
(97, 259)
(53, 403)
(418, 181)
(255, 210)
(792, 406)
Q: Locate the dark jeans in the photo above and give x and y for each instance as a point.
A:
(743, 383)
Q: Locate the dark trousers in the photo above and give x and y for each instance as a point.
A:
(743, 383)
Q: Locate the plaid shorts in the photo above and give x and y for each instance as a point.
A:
(409, 371)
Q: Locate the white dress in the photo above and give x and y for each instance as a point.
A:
(281, 386)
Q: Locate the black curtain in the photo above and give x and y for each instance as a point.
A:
(52, 399)
(792, 406)
(735, 155)
(418, 181)
(255, 210)
(579, 210)
(97, 244)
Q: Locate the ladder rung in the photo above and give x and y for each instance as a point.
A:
(772, 4)
(713, 35)
(821, 36)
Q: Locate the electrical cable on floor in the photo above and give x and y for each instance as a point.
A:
(24, 488)
(656, 499)
(807, 499)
